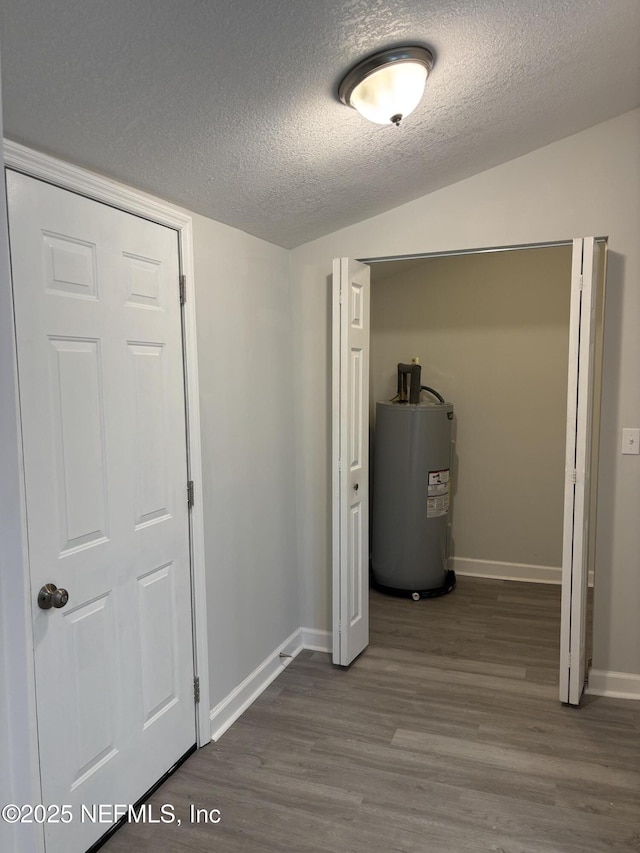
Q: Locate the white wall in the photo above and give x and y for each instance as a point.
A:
(246, 409)
(587, 184)
(492, 334)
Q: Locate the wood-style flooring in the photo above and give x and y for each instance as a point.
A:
(445, 736)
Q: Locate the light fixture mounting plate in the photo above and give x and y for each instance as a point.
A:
(390, 56)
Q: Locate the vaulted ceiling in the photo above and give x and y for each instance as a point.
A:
(229, 107)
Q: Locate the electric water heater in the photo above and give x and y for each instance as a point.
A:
(411, 499)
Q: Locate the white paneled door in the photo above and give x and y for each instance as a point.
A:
(100, 374)
(350, 459)
(585, 295)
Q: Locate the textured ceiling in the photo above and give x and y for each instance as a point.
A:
(228, 107)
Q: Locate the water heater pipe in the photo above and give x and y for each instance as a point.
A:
(414, 371)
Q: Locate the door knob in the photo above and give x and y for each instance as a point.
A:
(50, 596)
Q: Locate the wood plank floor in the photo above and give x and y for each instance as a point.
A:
(445, 736)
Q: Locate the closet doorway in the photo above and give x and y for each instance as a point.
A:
(498, 334)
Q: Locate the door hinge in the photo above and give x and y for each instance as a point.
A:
(569, 659)
(574, 476)
(196, 689)
(189, 494)
(581, 282)
(182, 286)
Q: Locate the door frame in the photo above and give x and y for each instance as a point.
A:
(475, 251)
(22, 699)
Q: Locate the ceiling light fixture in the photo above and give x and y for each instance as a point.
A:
(387, 86)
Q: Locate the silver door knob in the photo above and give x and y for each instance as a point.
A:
(50, 596)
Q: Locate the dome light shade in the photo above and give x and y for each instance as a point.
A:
(388, 86)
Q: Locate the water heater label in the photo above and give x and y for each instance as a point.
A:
(438, 493)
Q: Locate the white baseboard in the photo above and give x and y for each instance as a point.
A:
(232, 706)
(316, 641)
(508, 571)
(236, 703)
(619, 685)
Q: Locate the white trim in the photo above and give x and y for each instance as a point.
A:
(236, 703)
(336, 414)
(467, 567)
(506, 571)
(111, 192)
(198, 565)
(21, 773)
(619, 685)
(316, 640)
(89, 184)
